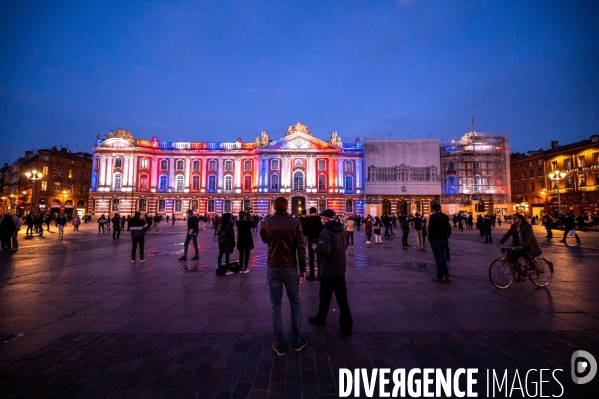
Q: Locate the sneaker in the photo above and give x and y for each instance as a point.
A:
(195, 258)
(368, 242)
(228, 273)
(246, 271)
(316, 322)
(277, 350)
(302, 345)
(142, 260)
(437, 280)
(133, 261)
(182, 258)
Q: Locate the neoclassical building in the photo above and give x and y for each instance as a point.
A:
(163, 178)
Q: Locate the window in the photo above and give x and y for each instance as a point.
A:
(515, 189)
(180, 164)
(118, 162)
(529, 163)
(142, 205)
(542, 185)
(581, 161)
(540, 172)
(115, 205)
(228, 183)
(274, 164)
(161, 205)
(531, 174)
(540, 161)
(71, 188)
(164, 164)
(274, 182)
(195, 165)
(523, 188)
(322, 205)
(532, 187)
(322, 183)
(117, 181)
(178, 205)
(143, 182)
(57, 185)
(596, 158)
(554, 165)
(211, 206)
(515, 176)
(44, 185)
(298, 180)
(349, 206)
(228, 165)
(83, 176)
(143, 163)
(46, 158)
(582, 180)
(247, 205)
(195, 182)
(569, 182)
(212, 184)
(523, 175)
(194, 205)
(521, 165)
(212, 165)
(247, 183)
(179, 182)
(162, 182)
(567, 164)
(514, 166)
(227, 206)
(81, 189)
(58, 172)
(247, 165)
(349, 184)
(555, 184)
(348, 166)
(322, 164)
(45, 170)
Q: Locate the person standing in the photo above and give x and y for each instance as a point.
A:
(174, 218)
(499, 220)
(167, 218)
(424, 233)
(101, 223)
(123, 220)
(405, 229)
(192, 235)
(245, 240)
(61, 221)
(7, 227)
(376, 227)
(76, 223)
(349, 228)
(15, 234)
(137, 226)
(487, 229)
(313, 227)
(418, 230)
(29, 220)
(368, 228)
(116, 227)
(40, 224)
(548, 223)
(47, 220)
(226, 242)
(285, 239)
(330, 249)
(569, 224)
(439, 231)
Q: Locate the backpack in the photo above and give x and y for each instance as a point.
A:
(222, 237)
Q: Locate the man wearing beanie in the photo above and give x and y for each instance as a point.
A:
(285, 239)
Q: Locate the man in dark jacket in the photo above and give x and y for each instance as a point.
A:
(285, 238)
(569, 224)
(137, 226)
(313, 227)
(439, 231)
(192, 235)
(487, 229)
(330, 249)
(116, 227)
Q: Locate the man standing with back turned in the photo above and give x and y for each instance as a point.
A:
(285, 239)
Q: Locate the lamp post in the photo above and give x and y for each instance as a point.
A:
(557, 176)
(34, 176)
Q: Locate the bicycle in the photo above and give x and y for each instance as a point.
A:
(155, 228)
(503, 270)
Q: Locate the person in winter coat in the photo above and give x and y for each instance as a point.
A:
(245, 240)
(487, 229)
(368, 228)
(548, 223)
(101, 223)
(330, 249)
(376, 226)
(61, 222)
(138, 227)
(349, 228)
(523, 238)
(7, 227)
(191, 235)
(76, 223)
(439, 231)
(312, 228)
(116, 227)
(226, 241)
(30, 221)
(15, 234)
(569, 224)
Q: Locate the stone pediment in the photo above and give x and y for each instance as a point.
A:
(299, 141)
(116, 142)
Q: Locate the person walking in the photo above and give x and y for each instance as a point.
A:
(376, 227)
(349, 228)
(284, 237)
(137, 226)
(368, 228)
(30, 221)
(548, 223)
(173, 221)
(47, 220)
(107, 223)
(487, 229)
(313, 227)
(76, 223)
(523, 238)
(7, 227)
(167, 218)
(499, 220)
(569, 224)
(116, 227)
(191, 235)
(15, 234)
(61, 221)
(101, 223)
(39, 222)
(226, 243)
(245, 240)
(330, 248)
(123, 220)
(418, 230)
(439, 231)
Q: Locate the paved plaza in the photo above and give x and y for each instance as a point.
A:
(77, 319)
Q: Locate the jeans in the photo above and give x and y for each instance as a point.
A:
(350, 238)
(101, 227)
(439, 247)
(60, 230)
(29, 229)
(5, 242)
(136, 241)
(311, 255)
(566, 235)
(276, 279)
(419, 234)
(549, 232)
(404, 237)
(116, 234)
(328, 286)
(220, 259)
(244, 258)
(488, 237)
(189, 238)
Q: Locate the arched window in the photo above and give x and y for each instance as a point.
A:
(322, 164)
(322, 183)
(274, 164)
(115, 205)
(211, 206)
(143, 163)
(298, 180)
(212, 184)
(349, 206)
(68, 204)
(161, 205)
(349, 183)
(228, 183)
(80, 204)
(247, 205)
(118, 162)
(349, 166)
(164, 164)
(247, 165)
(195, 182)
(212, 165)
(178, 205)
(196, 165)
(322, 205)
(274, 182)
(117, 181)
(227, 206)
(162, 182)
(418, 206)
(194, 205)
(143, 182)
(228, 165)
(180, 164)
(142, 205)
(179, 182)
(247, 183)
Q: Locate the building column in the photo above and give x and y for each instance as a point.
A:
(125, 179)
(237, 176)
(358, 174)
(187, 173)
(220, 165)
(109, 165)
(311, 170)
(133, 171)
(340, 172)
(171, 172)
(155, 165)
(101, 170)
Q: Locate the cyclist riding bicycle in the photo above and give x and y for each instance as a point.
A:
(523, 239)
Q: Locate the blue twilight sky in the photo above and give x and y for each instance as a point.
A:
(218, 70)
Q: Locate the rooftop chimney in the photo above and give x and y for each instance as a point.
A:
(554, 144)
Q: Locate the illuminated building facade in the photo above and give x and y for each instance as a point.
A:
(213, 178)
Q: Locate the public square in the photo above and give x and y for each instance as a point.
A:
(79, 320)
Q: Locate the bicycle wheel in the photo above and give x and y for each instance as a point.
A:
(501, 273)
(158, 228)
(540, 272)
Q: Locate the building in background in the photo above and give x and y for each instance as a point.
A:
(167, 178)
(529, 186)
(475, 174)
(402, 175)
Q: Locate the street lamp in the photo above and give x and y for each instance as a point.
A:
(557, 176)
(34, 176)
